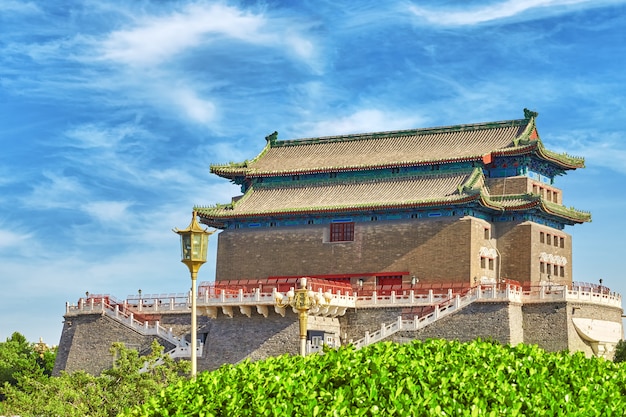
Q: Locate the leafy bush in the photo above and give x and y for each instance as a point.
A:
(432, 378)
(81, 394)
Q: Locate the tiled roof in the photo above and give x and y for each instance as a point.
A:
(337, 196)
(465, 142)
(398, 148)
(425, 190)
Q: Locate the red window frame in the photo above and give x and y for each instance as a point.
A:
(342, 232)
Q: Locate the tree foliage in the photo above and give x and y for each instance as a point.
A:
(620, 352)
(132, 380)
(19, 357)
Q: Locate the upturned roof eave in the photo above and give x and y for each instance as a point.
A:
(251, 173)
(221, 213)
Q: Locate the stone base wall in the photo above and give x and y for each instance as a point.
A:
(86, 339)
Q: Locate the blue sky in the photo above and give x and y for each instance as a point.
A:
(112, 111)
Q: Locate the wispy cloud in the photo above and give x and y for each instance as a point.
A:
(156, 39)
(600, 149)
(13, 238)
(520, 10)
(107, 211)
(18, 7)
(364, 120)
(56, 191)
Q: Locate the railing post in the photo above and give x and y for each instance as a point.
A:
(393, 297)
(412, 296)
(542, 292)
(131, 316)
(240, 295)
(92, 304)
(449, 293)
(399, 323)
(430, 296)
(145, 325)
(457, 301)
(436, 315)
(479, 292)
(117, 311)
(383, 330)
(67, 307)
(416, 322)
(374, 297)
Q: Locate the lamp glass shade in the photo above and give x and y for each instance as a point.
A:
(194, 243)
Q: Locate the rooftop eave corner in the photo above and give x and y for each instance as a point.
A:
(562, 159)
(571, 213)
(473, 184)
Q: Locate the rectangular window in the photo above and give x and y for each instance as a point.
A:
(549, 269)
(562, 242)
(542, 267)
(342, 232)
(490, 264)
(542, 237)
(549, 239)
(556, 240)
(483, 263)
(562, 271)
(487, 233)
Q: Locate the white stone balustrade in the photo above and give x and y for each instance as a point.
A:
(256, 302)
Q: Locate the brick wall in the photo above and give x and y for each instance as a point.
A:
(520, 247)
(433, 250)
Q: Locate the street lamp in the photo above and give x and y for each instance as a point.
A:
(194, 243)
(302, 300)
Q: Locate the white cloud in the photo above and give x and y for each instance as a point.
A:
(107, 211)
(367, 120)
(157, 39)
(498, 11)
(195, 108)
(12, 239)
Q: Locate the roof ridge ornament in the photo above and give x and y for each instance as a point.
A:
(271, 139)
(529, 114)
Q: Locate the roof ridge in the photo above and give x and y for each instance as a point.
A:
(406, 132)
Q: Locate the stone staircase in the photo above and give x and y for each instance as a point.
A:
(441, 310)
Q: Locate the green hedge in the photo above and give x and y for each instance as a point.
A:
(432, 378)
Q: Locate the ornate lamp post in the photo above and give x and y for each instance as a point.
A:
(301, 300)
(194, 243)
